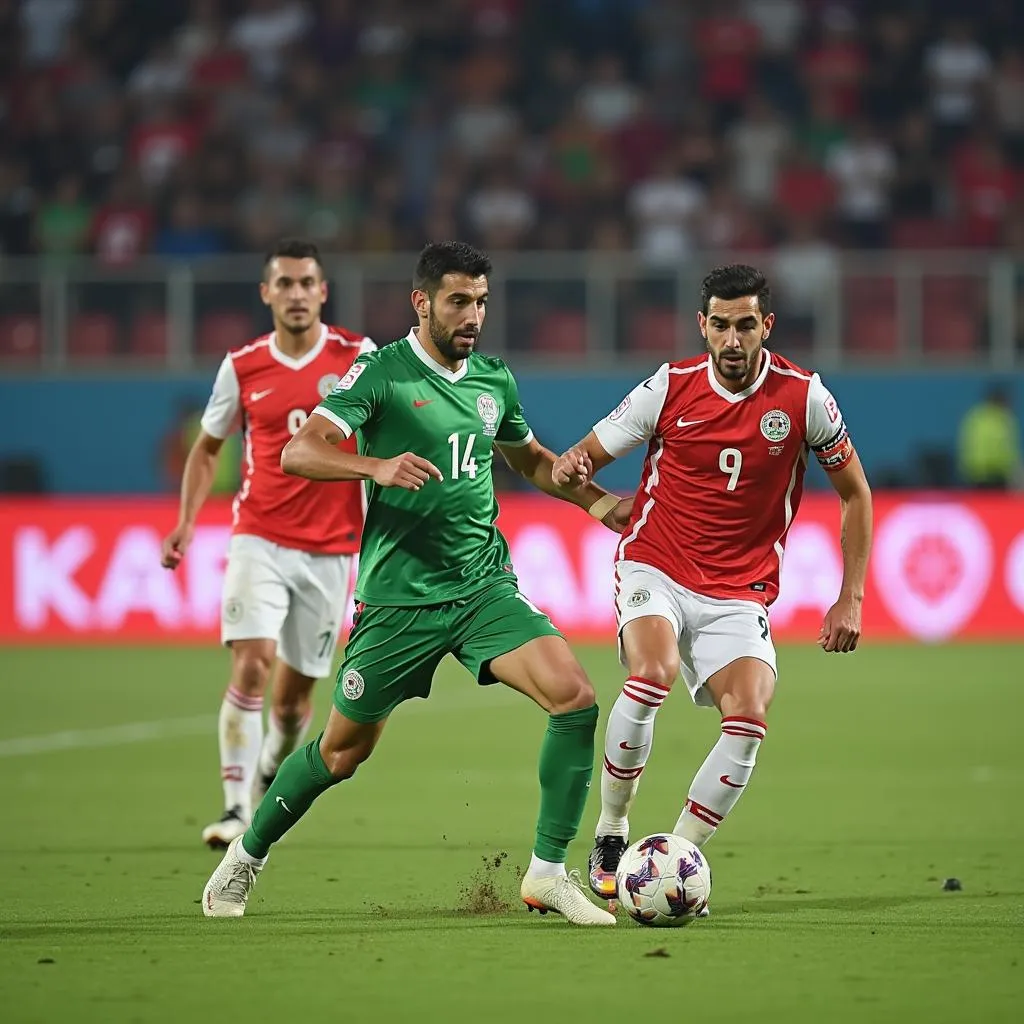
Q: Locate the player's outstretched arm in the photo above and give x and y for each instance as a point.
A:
(840, 630)
(537, 464)
(313, 453)
(196, 482)
(580, 462)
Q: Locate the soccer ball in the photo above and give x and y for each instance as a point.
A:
(663, 881)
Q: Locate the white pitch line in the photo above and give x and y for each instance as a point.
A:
(141, 732)
(108, 736)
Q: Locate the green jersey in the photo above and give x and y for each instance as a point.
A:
(437, 544)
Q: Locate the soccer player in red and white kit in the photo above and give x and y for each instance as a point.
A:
(728, 435)
(292, 541)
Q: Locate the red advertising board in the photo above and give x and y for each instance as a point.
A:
(88, 570)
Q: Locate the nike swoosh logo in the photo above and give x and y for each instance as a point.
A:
(280, 800)
(647, 384)
(688, 423)
(625, 746)
(422, 401)
(255, 396)
(723, 779)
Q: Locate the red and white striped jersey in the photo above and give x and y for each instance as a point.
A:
(270, 395)
(723, 476)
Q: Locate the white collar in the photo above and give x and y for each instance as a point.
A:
(738, 396)
(431, 363)
(304, 360)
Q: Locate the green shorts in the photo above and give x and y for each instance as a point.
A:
(392, 652)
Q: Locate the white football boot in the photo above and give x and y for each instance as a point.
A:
(220, 834)
(228, 889)
(563, 894)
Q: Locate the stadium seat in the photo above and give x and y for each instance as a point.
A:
(874, 331)
(149, 335)
(870, 324)
(21, 337)
(92, 336)
(222, 330)
(560, 332)
(654, 330)
(951, 329)
(964, 290)
(862, 293)
(924, 233)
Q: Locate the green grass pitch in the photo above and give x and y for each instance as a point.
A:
(883, 773)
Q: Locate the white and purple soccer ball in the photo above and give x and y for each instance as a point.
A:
(663, 881)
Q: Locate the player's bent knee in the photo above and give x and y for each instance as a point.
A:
(252, 671)
(342, 764)
(661, 670)
(572, 694)
(294, 710)
(757, 710)
(749, 701)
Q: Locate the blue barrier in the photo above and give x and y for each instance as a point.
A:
(104, 435)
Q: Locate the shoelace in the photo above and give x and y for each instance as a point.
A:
(236, 888)
(575, 879)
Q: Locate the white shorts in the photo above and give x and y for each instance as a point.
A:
(711, 633)
(294, 597)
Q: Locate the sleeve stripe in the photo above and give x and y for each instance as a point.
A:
(335, 419)
(224, 406)
(501, 443)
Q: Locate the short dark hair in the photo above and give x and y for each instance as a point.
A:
(735, 281)
(440, 258)
(293, 249)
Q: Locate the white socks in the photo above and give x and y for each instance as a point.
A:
(720, 780)
(247, 858)
(627, 746)
(283, 737)
(544, 868)
(240, 731)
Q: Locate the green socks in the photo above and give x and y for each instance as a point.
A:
(302, 777)
(566, 764)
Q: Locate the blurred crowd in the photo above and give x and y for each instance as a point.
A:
(192, 127)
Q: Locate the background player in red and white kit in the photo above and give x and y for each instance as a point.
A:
(728, 435)
(292, 540)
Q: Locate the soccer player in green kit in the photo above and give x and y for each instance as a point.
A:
(435, 576)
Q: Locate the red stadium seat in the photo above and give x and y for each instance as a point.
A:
(863, 293)
(560, 332)
(964, 290)
(924, 233)
(951, 329)
(92, 336)
(872, 332)
(869, 315)
(21, 337)
(149, 335)
(654, 330)
(223, 330)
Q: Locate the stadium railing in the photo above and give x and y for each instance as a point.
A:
(835, 309)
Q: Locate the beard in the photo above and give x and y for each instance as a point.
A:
(736, 369)
(297, 323)
(451, 345)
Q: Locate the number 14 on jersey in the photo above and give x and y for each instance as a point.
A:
(463, 464)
